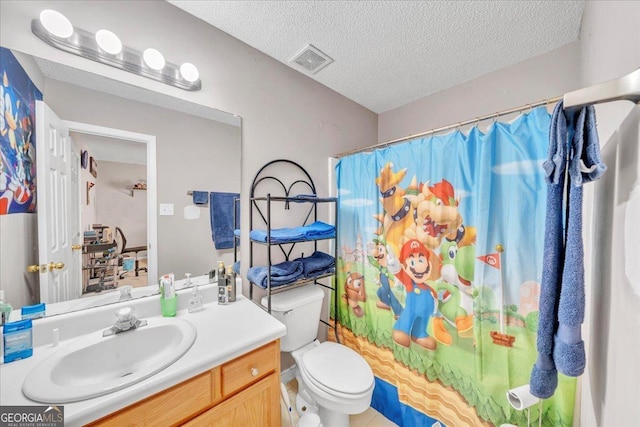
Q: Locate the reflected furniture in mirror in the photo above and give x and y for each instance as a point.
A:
(99, 266)
(124, 250)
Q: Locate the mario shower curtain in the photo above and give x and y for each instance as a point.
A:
(440, 246)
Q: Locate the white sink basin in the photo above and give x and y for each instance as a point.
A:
(94, 365)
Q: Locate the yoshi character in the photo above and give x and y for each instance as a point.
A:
(458, 259)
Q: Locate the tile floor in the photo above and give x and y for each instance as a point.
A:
(369, 418)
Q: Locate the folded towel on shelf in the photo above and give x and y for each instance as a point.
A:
(302, 198)
(317, 264)
(319, 230)
(279, 235)
(200, 197)
(221, 208)
(281, 274)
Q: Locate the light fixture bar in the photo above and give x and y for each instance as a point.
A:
(83, 43)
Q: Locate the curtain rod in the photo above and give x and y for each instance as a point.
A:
(453, 126)
(624, 88)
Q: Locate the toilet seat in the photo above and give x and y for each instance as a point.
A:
(338, 371)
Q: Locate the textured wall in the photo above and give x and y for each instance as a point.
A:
(544, 76)
(610, 48)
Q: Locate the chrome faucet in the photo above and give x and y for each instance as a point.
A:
(125, 293)
(126, 322)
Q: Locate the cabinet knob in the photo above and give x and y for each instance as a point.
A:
(254, 372)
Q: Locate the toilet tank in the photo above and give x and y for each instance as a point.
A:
(299, 309)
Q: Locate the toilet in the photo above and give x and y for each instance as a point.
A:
(332, 379)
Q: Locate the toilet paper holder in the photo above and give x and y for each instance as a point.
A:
(520, 398)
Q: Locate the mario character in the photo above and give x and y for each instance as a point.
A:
(354, 292)
(379, 259)
(419, 265)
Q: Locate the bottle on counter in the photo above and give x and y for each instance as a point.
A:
(231, 284)
(223, 297)
(5, 309)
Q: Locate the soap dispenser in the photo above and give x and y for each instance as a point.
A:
(196, 301)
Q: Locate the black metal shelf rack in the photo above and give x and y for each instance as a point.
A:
(261, 214)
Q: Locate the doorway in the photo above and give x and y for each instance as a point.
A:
(133, 175)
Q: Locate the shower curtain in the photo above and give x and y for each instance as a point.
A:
(440, 246)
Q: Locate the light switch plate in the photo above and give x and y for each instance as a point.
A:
(166, 209)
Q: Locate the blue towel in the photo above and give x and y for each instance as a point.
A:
(200, 197)
(544, 377)
(319, 230)
(315, 231)
(221, 208)
(585, 165)
(303, 198)
(280, 235)
(560, 345)
(281, 274)
(317, 264)
(236, 267)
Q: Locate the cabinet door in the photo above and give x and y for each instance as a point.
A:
(258, 405)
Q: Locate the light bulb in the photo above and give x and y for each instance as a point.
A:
(56, 23)
(189, 72)
(154, 59)
(108, 42)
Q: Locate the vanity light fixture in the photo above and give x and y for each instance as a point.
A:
(154, 59)
(105, 47)
(109, 42)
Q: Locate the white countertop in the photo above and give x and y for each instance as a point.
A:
(224, 332)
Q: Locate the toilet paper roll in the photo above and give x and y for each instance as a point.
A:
(521, 398)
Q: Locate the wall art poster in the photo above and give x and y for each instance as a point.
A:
(18, 97)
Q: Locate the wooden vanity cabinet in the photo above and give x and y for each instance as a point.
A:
(242, 392)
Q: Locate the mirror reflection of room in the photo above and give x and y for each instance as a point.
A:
(141, 131)
(113, 213)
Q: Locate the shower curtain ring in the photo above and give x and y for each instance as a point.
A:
(495, 117)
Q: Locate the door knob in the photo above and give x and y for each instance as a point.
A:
(36, 268)
(76, 247)
(56, 266)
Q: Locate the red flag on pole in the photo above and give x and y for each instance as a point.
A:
(491, 259)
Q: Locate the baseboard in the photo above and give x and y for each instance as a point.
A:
(288, 374)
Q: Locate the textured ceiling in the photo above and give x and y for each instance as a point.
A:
(389, 53)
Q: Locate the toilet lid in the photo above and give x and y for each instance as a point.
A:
(339, 368)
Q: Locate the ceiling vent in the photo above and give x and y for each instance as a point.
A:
(311, 59)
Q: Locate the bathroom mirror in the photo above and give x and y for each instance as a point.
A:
(197, 148)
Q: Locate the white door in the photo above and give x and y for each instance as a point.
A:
(53, 155)
(75, 226)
